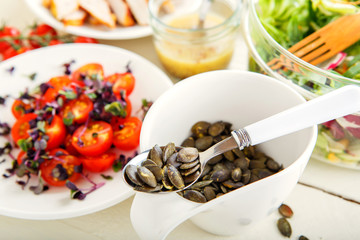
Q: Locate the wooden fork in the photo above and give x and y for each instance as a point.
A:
(324, 43)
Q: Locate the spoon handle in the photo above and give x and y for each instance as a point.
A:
(204, 8)
(335, 104)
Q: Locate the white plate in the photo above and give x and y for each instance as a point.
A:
(337, 164)
(88, 30)
(47, 62)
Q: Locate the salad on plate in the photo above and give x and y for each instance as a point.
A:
(70, 125)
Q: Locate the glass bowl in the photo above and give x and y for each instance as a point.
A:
(338, 140)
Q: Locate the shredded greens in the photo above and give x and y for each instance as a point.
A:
(288, 22)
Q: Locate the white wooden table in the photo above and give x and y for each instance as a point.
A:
(326, 202)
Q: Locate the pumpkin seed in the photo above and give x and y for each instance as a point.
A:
(285, 211)
(302, 237)
(216, 128)
(284, 227)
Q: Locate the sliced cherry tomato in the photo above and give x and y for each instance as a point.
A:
(11, 52)
(128, 107)
(51, 170)
(56, 84)
(68, 145)
(56, 132)
(90, 70)
(19, 108)
(122, 81)
(21, 127)
(76, 83)
(42, 31)
(8, 31)
(20, 157)
(78, 109)
(127, 133)
(94, 139)
(81, 39)
(55, 42)
(98, 163)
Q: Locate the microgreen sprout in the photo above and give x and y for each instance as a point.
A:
(80, 194)
(4, 129)
(6, 149)
(68, 120)
(11, 70)
(41, 187)
(116, 109)
(67, 67)
(3, 100)
(69, 94)
(32, 76)
(106, 177)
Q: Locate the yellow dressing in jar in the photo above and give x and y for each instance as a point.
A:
(185, 50)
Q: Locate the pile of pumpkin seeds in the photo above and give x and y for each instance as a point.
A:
(228, 171)
(166, 168)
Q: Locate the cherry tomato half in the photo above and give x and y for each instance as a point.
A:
(94, 139)
(68, 145)
(88, 70)
(127, 133)
(56, 84)
(21, 157)
(56, 132)
(122, 81)
(19, 108)
(21, 127)
(78, 109)
(68, 162)
(98, 163)
(128, 107)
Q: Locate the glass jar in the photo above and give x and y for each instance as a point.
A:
(186, 48)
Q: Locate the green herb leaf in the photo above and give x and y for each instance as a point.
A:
(107, 177)
(24, 144)
(69, 119)
(144, 102)
(60, 101)
(91, 95)
(41, 126)
(68, 94)
(32, 76)
(117, 166)
(116, 109)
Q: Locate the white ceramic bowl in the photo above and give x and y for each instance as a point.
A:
(238, 97)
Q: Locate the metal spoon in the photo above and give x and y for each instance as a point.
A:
(204, 9)
(335, 104)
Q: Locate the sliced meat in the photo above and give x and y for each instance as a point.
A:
(76, 18)
(139, 9)
(100, 10)
(122, 12)
(62, 8)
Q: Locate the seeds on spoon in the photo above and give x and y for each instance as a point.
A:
(166, 169)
